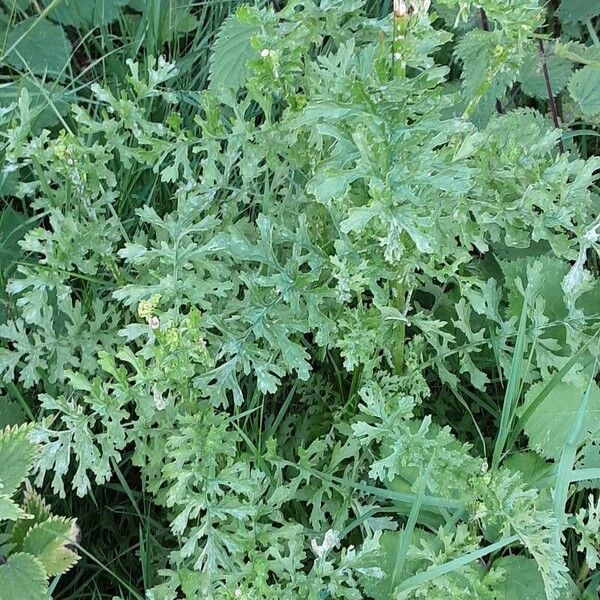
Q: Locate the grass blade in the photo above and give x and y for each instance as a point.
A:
(512, 389)
(406, 536)
(565, 467)
(421, 578)
(554, 381)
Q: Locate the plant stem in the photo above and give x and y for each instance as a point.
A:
(551, 98)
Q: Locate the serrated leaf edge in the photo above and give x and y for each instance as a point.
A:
(70, 539)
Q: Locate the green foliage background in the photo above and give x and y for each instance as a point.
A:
(300, 301)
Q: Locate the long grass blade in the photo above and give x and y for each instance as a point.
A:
(432, 502)
(565, 467)
(512, 389)
(421, 578)
(407, 534)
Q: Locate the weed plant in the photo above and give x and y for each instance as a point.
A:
(299, 300)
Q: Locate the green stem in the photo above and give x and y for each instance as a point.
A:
(399, 342)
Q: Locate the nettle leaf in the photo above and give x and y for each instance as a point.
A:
(552, 422)
(48, 541)
(231, 51)
(577, 10)
(10, 510)
(584, 87)
(22, 577)
(578, 53)
(44, 49)
(17, 454)
(484, 81)
(37, 511)
(532, 77)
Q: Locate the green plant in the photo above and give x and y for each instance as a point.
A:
(36, 545)
(267, 311)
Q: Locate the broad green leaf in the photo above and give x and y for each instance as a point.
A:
(44, 49)
(172, 19)
(522, 580)
(590, 461)
(532, 77)
(17, 454)
(11, 412)
(407, 535)
(584, 87)
(381, 588)
(76, 13)
(551, 423)
(532, 466)
(414, 582)
(231, 51)
(22, 577)
(48, 542)
(578, 10)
